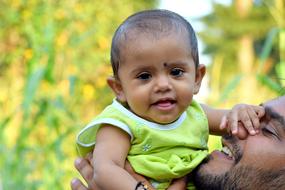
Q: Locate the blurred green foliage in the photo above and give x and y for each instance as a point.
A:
(246, 41)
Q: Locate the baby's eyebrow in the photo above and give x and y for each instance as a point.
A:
(175, 63)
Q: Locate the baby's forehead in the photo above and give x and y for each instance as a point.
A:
(155, 32)
(134, 37)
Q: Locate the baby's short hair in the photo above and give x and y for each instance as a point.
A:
(157, 22)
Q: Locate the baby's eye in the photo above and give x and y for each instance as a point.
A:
(144, 76)
(177, 72)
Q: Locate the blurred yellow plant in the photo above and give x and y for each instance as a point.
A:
(60, 14)
(88, 92)
(28, 54)
(62, 39)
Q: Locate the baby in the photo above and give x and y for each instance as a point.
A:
(154, 122)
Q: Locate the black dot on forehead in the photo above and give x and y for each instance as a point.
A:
(165, 64)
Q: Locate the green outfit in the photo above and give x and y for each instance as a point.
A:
(159, 152)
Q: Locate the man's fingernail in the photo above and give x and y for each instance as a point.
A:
(74, 182)
(78, 161)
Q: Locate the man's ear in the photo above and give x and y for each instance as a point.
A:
(117, 88)
(200, 73)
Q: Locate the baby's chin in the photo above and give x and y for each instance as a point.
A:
(164, 121)
(161, 118)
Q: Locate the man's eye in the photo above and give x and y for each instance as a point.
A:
(176, 72)
(144, 76)
(270, 132)
(265, 130)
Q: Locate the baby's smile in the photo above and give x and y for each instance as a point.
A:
(165, 104)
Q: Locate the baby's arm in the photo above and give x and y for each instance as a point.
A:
(221, 120)
(247, 115)
(109, 156)
(214, 119)
(177, 184)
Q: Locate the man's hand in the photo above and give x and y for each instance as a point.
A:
(247, 115)
(84, 167)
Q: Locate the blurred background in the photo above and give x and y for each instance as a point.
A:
(54, 59)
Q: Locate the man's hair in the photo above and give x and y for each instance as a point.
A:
(155, 22)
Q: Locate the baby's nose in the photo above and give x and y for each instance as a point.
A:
(163, 84)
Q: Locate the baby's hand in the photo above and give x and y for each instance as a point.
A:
(247, 115)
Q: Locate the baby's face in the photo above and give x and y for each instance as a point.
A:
(158, 77)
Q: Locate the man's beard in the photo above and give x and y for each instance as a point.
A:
(208, 181)
(241, 178)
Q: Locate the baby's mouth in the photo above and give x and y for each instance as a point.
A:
(165, 103)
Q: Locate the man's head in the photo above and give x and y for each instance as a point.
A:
(257, 162)
(151, 24)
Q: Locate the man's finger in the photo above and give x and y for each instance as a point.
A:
(89, 157)
(86, 171)
(84, 168)
(76, 184)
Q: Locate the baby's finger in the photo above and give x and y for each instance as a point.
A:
(233, 122)
(254, 119)
(260, 111)
(246, 121)
(224, 122)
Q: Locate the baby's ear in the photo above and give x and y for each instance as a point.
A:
(116, 86)
(200, 73)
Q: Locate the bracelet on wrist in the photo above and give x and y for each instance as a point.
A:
(141, 186)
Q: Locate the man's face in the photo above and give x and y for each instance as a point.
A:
(243, 164)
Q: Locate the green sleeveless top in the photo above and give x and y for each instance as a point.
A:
(159, 152)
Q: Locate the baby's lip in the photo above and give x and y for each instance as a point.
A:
(164, 104)
(164, 101)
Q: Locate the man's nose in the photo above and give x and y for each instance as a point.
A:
(162, 84)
